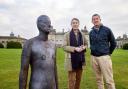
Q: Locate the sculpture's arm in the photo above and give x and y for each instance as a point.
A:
(56, 75)
(24, 66)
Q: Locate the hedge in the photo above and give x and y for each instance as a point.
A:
(1, 45)
(125, 46)
(13, 44)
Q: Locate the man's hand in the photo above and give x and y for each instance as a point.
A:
(83, 47)
(78, 49)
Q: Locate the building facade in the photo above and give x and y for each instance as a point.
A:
(5, 39)
(58, 37)
(122, 40)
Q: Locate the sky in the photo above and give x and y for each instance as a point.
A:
(19, 16)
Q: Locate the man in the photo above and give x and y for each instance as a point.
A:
(102, 44)
(40, 54)
(74, 46)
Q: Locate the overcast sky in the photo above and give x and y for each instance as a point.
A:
(20, 16)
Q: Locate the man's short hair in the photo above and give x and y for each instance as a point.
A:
(75, 19)
(95, 15)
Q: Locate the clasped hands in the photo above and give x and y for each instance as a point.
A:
(80, 48)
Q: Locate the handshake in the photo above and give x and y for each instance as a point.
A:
(80, 48)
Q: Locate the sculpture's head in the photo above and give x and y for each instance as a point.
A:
(44, 24)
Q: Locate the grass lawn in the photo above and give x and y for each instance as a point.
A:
(10, 66)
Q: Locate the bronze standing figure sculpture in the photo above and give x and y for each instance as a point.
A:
(40, 54)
